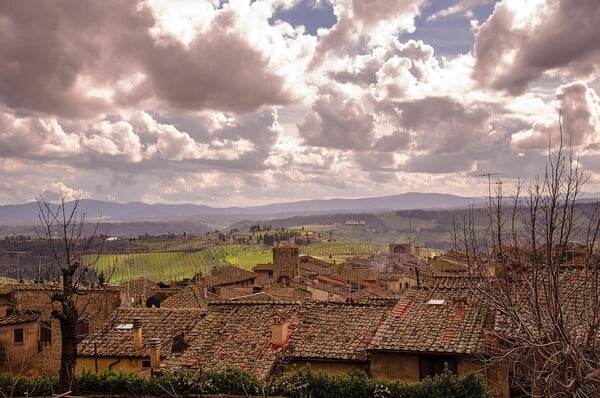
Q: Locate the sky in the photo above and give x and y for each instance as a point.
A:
(238, 103)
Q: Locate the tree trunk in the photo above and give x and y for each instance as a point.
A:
(68, 332)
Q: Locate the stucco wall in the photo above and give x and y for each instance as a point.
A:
(122, 365)
(18, 357)
(395, 366)
(405, 367)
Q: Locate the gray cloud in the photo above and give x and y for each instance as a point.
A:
(398, 140)
(579, 109)
(55, 56)
(48, 45)
(564, 37)
(218, 70)
(140, 143)
(337, 121)
(443, 125)
(375, 161)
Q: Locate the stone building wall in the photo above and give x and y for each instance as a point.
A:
(95, 307)
(285, 263)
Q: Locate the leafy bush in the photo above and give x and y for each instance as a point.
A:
(306, 383)
(300, 383)
(20, 386)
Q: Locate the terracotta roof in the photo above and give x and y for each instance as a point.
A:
(228, 274)
(332, 281)
(436, 281)
(456, 323)
(308, 265)
(231, 292)
(335, 331)
(232, 334)
(19, 317)
(263, 267)
(162, 323)
(188, 297)
(261, 296)
(286, 293)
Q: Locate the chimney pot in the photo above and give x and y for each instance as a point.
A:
(137, 334)
(279, 327)
(154, 352)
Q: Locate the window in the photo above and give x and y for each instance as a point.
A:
(83, 329)
(431, 365)
(18, 336)
(45, 332)
(145, 364)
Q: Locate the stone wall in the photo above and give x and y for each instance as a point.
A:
(94, 306)
(285, 263)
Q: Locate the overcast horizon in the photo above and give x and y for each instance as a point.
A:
(240, 103)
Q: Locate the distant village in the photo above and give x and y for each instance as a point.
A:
(399, 316)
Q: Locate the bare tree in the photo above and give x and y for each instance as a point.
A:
(546, 289)
(62, 231)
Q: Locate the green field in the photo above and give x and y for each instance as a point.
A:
(339, 250)
(176, 265)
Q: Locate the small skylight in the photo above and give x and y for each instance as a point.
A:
(436, 302)
(124, 326)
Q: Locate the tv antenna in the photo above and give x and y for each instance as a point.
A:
(489, 178)
(490, 204)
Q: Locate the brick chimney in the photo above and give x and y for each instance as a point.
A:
(137, 334)
(279, 327)
(154, 352)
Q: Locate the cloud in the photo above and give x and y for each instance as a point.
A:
(58, 58)
(83, 60)
(443, 125)
(522, 41)
(219, 69)
(398, 140)
(58, 190)
(579, 109)
(462, 7)
(139, 139)
(337, 121)
(364, 24)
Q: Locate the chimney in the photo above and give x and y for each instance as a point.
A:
(137, 334)
(279, 327)
(154, 352)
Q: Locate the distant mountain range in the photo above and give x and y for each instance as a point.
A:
(27, 213)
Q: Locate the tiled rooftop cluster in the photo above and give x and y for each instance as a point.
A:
(115, 337)
(19, 317)
(335, 330)
(233, 334)
(431, 320)
(229, 275)
(187, 297)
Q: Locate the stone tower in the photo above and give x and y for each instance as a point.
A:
(285, 263)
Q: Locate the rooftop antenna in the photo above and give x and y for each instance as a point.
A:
(490, 204)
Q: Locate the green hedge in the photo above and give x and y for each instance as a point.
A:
(306, 383)
(300, 383)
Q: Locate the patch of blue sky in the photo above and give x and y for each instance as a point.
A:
(448, 35)
(312, 16)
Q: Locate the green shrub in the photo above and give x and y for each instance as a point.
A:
(301, 383)
(306, 383)
(20, 386)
